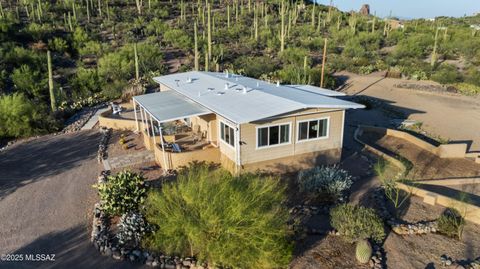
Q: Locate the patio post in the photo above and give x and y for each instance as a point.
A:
(153, 131)
(135, 112)
(163, 146)
(141, 115)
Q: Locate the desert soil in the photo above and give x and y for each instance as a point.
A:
(450, 116)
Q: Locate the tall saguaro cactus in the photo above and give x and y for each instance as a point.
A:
(282, 33)
(53, 102)
(137, 69)
(196, 45)
(209, 34)
(434, 53)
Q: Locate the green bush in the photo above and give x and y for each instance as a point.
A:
(357, 223)
(326, 182)
(451, 223)
(122, 193)
(232, 221)
(446, 74)
(20, 117)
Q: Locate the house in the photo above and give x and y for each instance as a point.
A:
(241, 122)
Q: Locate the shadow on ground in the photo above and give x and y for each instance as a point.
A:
(26, 163)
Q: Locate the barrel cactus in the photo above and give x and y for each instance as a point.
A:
(363, 251)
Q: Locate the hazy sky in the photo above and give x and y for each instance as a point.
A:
(411, 8)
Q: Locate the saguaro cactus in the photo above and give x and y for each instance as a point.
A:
(434, 53)
(137, 69)
(209, 34)
(196, 45)
(53, 102)
(282, 33)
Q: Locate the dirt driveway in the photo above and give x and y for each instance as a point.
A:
(45, 201)
(449, 116)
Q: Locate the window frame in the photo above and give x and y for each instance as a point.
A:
(220, 122)
(258, 127)
(308, 128)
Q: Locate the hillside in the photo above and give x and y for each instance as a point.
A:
(100, 48)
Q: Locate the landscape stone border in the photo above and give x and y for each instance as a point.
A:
(106, 243)
(299, 214)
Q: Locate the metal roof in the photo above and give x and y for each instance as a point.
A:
(169, 105)
(315, 89)
(243, 99)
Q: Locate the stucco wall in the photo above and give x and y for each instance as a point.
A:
(116, 123)
(458, 150)
(175, 160)
(251, 154)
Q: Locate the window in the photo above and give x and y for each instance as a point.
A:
(227, 134)
(313, 129)
(273, 135)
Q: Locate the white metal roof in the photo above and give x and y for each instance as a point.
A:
(316, 89)
(243, 99)
(169, 106)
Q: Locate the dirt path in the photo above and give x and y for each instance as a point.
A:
(453, 117)
(46, 199)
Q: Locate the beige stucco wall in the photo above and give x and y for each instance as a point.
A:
(175, 160)
(206, 123)
(250, 154)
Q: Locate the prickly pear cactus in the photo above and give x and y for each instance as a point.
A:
(363, 251)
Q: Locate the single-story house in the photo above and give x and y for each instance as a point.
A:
(241, 122)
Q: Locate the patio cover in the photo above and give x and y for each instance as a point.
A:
(169, 105)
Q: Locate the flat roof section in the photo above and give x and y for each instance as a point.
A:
(170, 105)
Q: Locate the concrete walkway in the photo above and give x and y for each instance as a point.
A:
(94, 119)
(131, 159)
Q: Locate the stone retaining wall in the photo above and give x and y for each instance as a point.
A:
(432, 198)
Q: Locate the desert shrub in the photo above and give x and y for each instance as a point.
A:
(326, 182)
(446, 74)
(29, 81)
(122, 193)
(451, 223)
(467, 89)
(20, 117)
(132, 228)
(58, 45)
(357, 222)
(255, 66)
(233, 221)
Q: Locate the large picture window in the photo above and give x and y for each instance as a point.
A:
(273, 135)
(313, 129)
(227, 134)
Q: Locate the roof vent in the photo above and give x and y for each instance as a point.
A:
(226, 86)
(210, 89)
(226, 73)
(258, 84)
(244, 90)
(220, 93)
(278, 83)
(189, 80)
(177, 82)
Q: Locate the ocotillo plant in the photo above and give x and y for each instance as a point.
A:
(196, 45)
(53, 102)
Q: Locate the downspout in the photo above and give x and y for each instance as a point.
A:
(135, 112)
(238, 148)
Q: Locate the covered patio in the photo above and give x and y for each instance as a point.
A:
(164, 119)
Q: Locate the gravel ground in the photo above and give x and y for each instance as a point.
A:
(453, 117)
(46, 199)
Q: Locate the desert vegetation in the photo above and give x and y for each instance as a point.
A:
(60, 54)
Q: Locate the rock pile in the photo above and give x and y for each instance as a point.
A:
(448, 262)
(399, 226)
(107, 243)
(77, 121)
(102, 147)
(365, 10)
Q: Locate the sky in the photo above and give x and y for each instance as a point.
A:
(410, 9)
